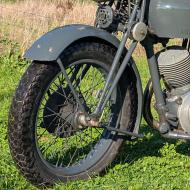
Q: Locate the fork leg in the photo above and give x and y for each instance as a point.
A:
(108, 89)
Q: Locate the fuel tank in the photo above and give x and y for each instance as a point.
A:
(169, 18)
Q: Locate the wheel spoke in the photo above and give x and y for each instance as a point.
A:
(76, 144)
(55, 139)
(53, 112)
(71, 159)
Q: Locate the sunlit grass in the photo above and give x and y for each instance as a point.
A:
(148, 163)
(151, 163)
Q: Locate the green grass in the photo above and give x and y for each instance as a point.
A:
(149, 163)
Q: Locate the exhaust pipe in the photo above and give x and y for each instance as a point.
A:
(176, 135)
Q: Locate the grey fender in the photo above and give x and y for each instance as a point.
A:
(51, 45)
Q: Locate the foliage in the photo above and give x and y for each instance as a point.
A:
(51, 1)
(25, 21)
(148, 163)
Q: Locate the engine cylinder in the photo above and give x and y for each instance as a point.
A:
(174, 66)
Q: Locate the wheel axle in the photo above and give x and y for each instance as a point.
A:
(83, 120)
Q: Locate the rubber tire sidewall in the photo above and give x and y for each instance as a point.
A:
(21, 130)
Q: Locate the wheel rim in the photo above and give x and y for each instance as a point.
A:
(73, 151)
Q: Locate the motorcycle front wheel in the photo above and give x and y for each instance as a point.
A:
(45, 142)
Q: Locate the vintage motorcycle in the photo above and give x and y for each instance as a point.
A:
(82, 94)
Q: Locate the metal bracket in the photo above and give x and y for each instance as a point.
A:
(128, 133)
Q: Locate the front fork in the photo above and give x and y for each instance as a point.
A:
(117, 70)
(110, 83)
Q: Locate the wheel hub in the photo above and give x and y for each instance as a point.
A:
(59, 114)
(68, 119)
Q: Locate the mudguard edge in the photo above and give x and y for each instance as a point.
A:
(50, 46)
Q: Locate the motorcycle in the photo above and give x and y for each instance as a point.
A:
(82, 93)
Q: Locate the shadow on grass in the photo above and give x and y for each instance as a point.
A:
(131, 151)
(150, 145)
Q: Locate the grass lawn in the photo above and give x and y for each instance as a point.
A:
(149, 163)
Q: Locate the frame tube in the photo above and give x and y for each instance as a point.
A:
(153, 68)
(143, 7)
(155, 77)
(115, 64)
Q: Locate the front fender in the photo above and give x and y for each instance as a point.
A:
(52, 44)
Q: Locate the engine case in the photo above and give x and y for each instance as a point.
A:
(184, 113)
(169, 18)
(178, 104)
(174, 67)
